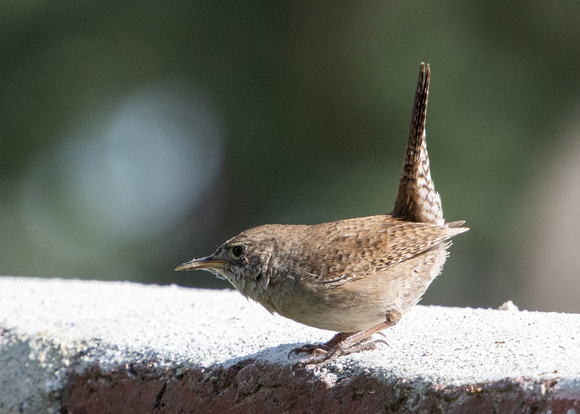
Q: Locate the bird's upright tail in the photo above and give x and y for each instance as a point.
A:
(417, 199)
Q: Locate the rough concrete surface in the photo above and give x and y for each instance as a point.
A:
(86, 346)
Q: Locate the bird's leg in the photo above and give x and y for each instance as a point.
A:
(346, 343)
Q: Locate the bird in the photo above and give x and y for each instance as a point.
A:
(356, 276)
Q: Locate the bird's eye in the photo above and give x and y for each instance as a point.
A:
(237, 250)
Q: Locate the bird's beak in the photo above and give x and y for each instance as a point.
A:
(208, 262)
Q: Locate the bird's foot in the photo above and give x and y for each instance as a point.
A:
(340, 345)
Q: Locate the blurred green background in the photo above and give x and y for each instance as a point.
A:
(138, 135)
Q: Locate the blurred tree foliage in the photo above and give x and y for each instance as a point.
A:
(314, 99)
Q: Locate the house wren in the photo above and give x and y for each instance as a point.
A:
(356, 276)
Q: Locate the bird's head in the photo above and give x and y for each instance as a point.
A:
(243, 260)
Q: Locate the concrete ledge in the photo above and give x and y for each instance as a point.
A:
(94, 347)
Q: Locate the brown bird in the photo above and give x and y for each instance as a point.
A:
(356, 276)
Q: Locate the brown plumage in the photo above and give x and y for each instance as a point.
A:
(417, 199)
(356, 276)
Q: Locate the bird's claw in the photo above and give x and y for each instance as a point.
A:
(323, 353)
(309, 349)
